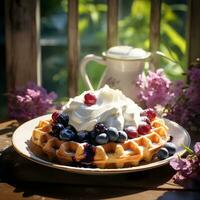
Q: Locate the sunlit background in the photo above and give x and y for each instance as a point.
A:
(134, 17)
(133, 30)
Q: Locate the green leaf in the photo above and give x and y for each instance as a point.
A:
(83, 23)
(140, 9)
(167, 13)
(174, 37)
(187, 149)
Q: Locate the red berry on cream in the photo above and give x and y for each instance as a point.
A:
(89, 99)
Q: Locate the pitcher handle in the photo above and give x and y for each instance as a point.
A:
(84, 62)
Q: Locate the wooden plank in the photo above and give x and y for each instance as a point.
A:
(193, 30)
(22, 42)
(73, 47)
(155, 17)
(46, 191)
(112, 23)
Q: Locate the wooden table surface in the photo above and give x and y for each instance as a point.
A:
(21, 178)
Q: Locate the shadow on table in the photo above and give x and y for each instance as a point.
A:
(65, 191)
(191, 195)
(34, 179)
(9, 128)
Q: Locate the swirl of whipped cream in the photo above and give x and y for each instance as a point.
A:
(112, 108)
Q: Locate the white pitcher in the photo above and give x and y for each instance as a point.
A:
(123, 65)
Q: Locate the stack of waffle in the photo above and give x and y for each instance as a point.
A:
(110, 155)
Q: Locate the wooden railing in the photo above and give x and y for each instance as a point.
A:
(22, 30)
(23, 33)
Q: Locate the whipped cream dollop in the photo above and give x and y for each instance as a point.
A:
(112, 107)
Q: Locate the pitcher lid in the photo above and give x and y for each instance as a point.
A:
(126, 53)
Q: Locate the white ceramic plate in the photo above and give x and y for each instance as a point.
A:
(21, 142)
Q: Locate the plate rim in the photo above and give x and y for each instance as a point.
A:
(91, 171)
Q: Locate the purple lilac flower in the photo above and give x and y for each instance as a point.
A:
(189, 167)
(182, 164)
(30, 101)
(176, 90)
(154, 88)
(197, 148)
(188, 103)
(175, 97)
(194, 74)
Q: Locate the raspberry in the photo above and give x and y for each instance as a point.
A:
(150, 113)
(131, 132)
(89, 99)
(55, 116)
(143, 128)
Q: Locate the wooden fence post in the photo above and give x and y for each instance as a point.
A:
(112, 23)
(73, 47)
(193, 30)
(22, 32)
(155, 29)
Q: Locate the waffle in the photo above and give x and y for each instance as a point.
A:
(111, 155)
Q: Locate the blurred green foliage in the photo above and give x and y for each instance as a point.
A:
(92, 29)
(134, 20)
(134, 30)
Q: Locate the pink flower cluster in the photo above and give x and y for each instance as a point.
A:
(28, 102)
(181, 103)
(188, 167)
(174, 97)
(186, 101)
(154, 88)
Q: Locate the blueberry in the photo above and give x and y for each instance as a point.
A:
(89, 151)
(122, 136)
(171, 147)
(102, 138)
(72, 128)
(67, 134)
(63, 119)
(100, 128)
(163, 153)
(82, 136)
(113, 134)
(56, 128)
(93, 134)
(92, 137)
